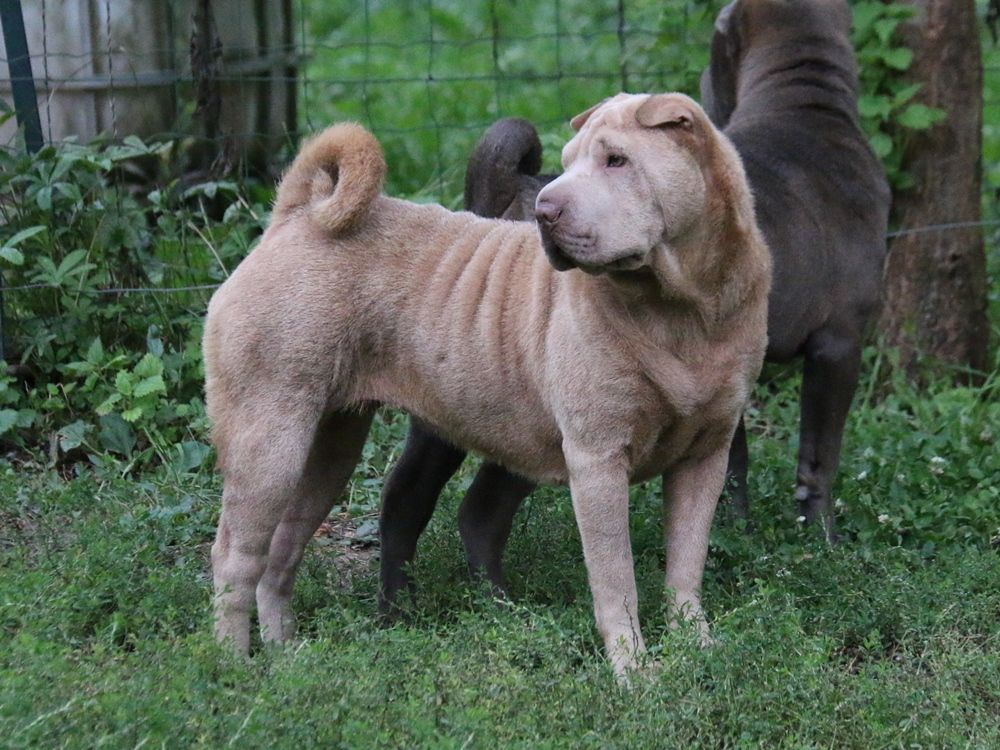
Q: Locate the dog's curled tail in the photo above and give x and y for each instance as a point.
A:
(508, 151)
(336, 176)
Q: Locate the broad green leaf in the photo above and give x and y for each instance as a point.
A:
(106, 406)
(72, 264)
(63, 166)
(865, 14)
(874, 106)
(116, 435)
(209, 189)
(70, 190)
(25, 234)
(48, 270)
(881, 144)
(191, 454)
(44, 198)
(124, 383)
(95, 352)
(148, 366)
(904, 95)
(8, 420)
(152, 384)
(12, 255)
(72, 435)
(130, 415)
(920, 116)
(78, 367)
(898, 58)
(153, 341)
(884, 28)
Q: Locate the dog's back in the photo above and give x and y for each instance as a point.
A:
(783, 83)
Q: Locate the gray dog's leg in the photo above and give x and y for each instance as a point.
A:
(736, 473)
(485, 518)
(408, 500)
(410, 496)
(829, 379)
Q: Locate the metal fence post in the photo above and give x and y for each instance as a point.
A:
(22, 86)
(21, 81)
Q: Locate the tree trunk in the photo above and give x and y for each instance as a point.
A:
(935, 297)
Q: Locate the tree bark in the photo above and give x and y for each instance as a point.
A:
(935, 296)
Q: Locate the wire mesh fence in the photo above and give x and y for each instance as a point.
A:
(242, 80)
(427, 75)
(237, 83)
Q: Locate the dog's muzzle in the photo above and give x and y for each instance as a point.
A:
(559, 259)
(547, 214)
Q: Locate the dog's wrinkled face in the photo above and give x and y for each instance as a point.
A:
(632, 182)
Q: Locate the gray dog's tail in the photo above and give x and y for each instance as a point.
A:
(334, 179)
(509, 150)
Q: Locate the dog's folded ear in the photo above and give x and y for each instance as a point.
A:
(723, 21)
(666, 110)
(577, 122)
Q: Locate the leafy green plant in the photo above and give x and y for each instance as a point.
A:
(106, 283)
(887, 107)
(14, 412)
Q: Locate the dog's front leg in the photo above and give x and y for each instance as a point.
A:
(691, 491)
(599, 487)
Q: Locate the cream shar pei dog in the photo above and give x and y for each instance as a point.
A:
(615, 341)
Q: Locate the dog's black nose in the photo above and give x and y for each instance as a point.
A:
(547, 212)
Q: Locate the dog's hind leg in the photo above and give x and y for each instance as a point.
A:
(485, 518)
(408, 500)
(263, 457)
(332, 457)
(736, 472)
(830, 376)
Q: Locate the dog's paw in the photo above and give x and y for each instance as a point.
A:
(706, 640)
(643, 672)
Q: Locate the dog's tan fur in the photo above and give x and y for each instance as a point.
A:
(596, 379)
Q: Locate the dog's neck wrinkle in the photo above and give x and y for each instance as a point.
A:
(667, 316)
(665, 333)
(709, 288)
(657, 339)
(674, 309)
(684, 292)
(664, 338)
(822, 76)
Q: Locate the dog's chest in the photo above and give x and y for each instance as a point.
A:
(687, 410)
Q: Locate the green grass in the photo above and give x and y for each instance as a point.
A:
(889, 640)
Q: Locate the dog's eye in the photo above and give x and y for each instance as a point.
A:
(616, 160)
